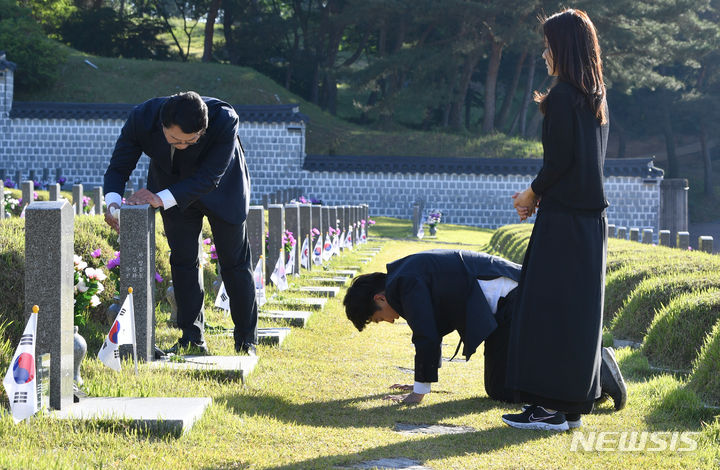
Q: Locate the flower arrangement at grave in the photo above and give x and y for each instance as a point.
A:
(86, 204)
(314, 233)
(88, 284)
(61, 181)
(288, 241)
(433, 220)
(10, 204)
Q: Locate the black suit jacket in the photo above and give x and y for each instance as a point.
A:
(212, 171)
(437, 292)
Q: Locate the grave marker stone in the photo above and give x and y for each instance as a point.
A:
(306, 225)
(28, 188)
(18, 178)
(77, 195)
(635, 234)
(137, 270)
(46, 175)
(611, 231)
(54, 190)
(32, 176)
(647, 235)
(683, 240)
(317, 222)
(292, 223)
(325, 213)
(705, 243)
(97, 196)
(49, 281)
(256, 235)
(622, 233)
(664, 237)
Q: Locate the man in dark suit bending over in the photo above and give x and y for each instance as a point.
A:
(440, 291)
(197, 169)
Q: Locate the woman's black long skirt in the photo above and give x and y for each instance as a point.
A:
(556, 332)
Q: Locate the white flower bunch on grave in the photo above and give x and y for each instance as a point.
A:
(10, 203)
(88, 284)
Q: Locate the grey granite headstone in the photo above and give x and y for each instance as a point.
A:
(318, 224)
(334, 217)
(46, 175)
(273, 336)
(276, 227)
(54, 190)
(683, 240)
(635, 234)
(320, 291)
(58, 173)
(77, 195)
(622, 233)
(705, 243)
(137, 270)
(416, 215)
(32, 175)
(3, 174)
(292, 224)
(18, 177)
(129, 191)
(611, 230)
(306, 225)
(343, 216)
(296, 318)
(265, 201)
(28, 188)
(98, 200)
(49, 284)
(665, 237)
(647, 235)
(325, 214)
(256, 234)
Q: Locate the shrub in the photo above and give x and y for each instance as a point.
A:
(636, 315)
(705, 379)
(676, 335)
(26, 44)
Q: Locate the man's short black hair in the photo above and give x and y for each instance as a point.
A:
(359, 303)
(186, 110)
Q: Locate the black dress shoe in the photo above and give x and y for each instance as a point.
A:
(187, 348)
(246, 349)
(611, 379)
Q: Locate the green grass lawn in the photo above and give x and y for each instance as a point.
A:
(317, 402)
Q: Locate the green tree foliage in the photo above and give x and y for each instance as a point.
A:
(26, 44)
(121, 36)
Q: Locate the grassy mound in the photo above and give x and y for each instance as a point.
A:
(651, 295)
(705, 379)
(677, 333)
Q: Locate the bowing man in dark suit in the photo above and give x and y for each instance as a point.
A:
(441, 291)
(197, 169)
(437, 292)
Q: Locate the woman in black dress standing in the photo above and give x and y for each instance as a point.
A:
(554, 352)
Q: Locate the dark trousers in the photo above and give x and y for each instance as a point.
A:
(182, 229)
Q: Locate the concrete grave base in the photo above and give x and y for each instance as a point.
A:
(437, 429)
(272, 336)
(173, 415)
(299, 304)
(322, 291)
(238, 365)
(396, 463)
(329, 281)
(297, 318)
(340, 273)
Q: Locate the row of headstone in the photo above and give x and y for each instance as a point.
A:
(300, 220)
(682, 239)
(32, 175)
(281, 196)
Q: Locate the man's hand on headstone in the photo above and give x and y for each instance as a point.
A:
(409, 398)
(110, 217)
(143, 196)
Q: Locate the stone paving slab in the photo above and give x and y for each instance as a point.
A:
(273, 336)
(174, 415)
(435, 429)
(329, 281)
(239, 365)
(310, 303)
(341, 273)
(297, 318)
(395, 463)
(365, 260)
(323, 291)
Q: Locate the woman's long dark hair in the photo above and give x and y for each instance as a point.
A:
(575, 51)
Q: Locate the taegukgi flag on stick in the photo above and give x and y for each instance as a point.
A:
(20, 380)
(290, 265)
(336, 244)
(278, 276)
(327, 248)
(121, 332)
(305, 253)
(317, 251)
(223, 299)
(259, 282)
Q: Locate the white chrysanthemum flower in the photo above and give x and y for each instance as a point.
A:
(81, 286)
(100, 287)
(94, 301)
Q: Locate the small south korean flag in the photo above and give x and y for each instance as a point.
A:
(121, 332)
(318, 251)
(20, 380)
(290, 265)
(223, 299)
(278, 276)
(305, 253)
(259, 278)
